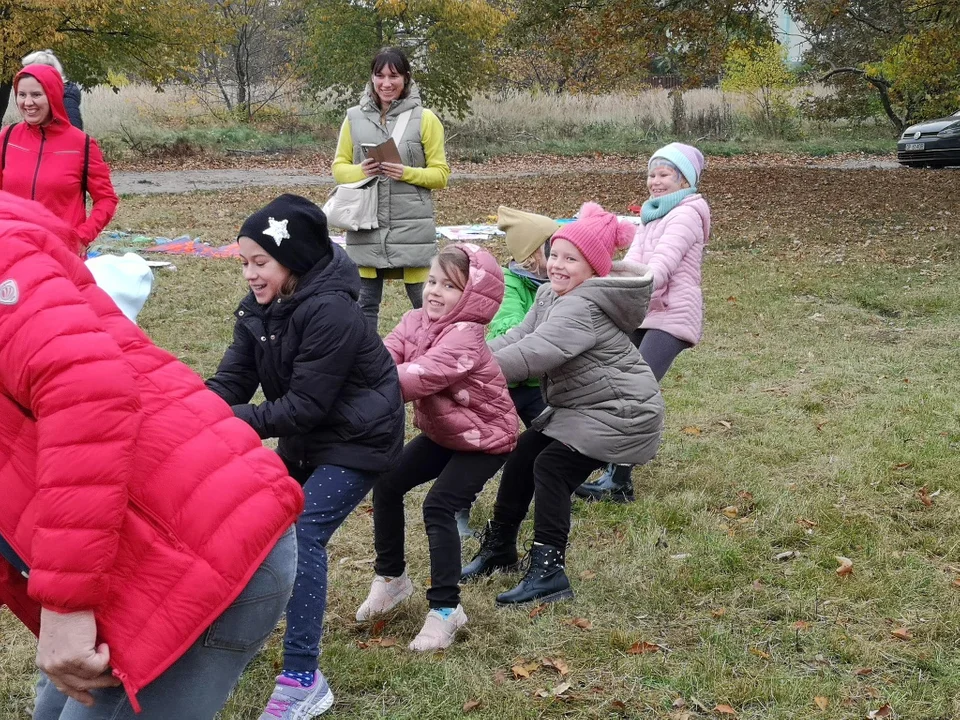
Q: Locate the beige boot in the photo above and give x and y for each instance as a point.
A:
(437, 632)
(385, 594)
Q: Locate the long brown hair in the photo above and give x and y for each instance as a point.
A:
(455, 264)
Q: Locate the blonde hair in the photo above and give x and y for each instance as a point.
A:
(44, 57)
(535, 263)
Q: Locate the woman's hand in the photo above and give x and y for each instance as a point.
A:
(370, 167)
(68, 653)
(394, 171)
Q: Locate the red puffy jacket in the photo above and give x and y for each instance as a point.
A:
(45, 163)
(128, 488)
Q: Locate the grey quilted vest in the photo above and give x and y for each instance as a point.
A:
(407, 236)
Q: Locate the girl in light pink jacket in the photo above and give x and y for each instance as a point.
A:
(675, 228)
(468, 427)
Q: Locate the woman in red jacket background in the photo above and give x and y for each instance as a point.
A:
(45, 158)
(145, 532)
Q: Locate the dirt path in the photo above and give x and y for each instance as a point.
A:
(134, 182)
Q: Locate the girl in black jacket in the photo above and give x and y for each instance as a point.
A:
(332, 398)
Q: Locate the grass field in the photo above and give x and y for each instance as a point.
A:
(817, 420)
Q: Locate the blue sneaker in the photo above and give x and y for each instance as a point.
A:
(292, 701)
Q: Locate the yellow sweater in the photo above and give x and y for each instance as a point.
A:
(433, 177)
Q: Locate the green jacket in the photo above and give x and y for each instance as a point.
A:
(518, 296)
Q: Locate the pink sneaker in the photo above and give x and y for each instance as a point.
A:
(438, 632)
(385, 594)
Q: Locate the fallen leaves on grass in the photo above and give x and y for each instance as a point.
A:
(882, 712)
(861, 672)
(691, 430)
(553, 692)
(525, 669)
(760, 653)
(470, 706)
(538, 609)
(803, 522)
(786, 555)
(384, 642)
(801, 625)
(643, 647)
(821, 702)
(731, 511)
(718, 613)
(557, 664)
(724, 710)
(902, 634)
(925, 497)
(846, 566)
(588, 575)
(499, 677)
(581, 623)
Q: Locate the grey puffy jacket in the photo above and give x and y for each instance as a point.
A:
(602, 398)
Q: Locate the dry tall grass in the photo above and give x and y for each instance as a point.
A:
(107, 112)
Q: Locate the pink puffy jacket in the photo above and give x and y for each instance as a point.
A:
(460, 398)
(672, 246)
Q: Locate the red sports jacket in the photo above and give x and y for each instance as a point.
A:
(45, 163)
(128, 488)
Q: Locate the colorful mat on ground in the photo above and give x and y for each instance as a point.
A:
(115, 241)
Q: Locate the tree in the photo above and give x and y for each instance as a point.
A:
(257, 58)
(599, 45)
(447, 41)
(156, 41)
(761, 69)
(907, 50)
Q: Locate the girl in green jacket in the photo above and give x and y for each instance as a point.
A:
(527, 239)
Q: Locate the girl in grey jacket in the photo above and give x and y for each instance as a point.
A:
(603, 402)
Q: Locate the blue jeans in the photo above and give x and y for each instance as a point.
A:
(197, 685)
(331, 493)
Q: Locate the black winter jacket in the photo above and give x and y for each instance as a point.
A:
(71, 101)
(333, 395)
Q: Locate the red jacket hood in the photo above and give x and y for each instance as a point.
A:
(52, 85)
(14, 208)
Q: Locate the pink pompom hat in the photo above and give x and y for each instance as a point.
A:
(597, 234)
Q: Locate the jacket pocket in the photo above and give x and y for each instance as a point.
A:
(247, 623)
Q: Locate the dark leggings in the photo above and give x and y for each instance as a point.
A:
(658, 348)
(549, 470)
(371, 295)
(459, 477)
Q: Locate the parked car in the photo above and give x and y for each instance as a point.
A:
(934, 143)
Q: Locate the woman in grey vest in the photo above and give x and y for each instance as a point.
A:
(406, 239)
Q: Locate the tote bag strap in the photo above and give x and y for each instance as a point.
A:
(401, 127)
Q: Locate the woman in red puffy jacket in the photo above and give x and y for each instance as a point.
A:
(45, 158)
(145, 532)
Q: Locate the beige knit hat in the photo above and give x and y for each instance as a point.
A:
(525, 231)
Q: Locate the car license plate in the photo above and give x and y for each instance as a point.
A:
(914, 146)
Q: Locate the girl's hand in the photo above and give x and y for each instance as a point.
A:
(394, 171)
(370, 167)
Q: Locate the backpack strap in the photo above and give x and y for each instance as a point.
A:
(86, 169)
(3, 152)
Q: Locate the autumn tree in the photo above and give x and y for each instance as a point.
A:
(447, 41)
(908, 51)
(598, 45)
(761, 70)
(257, 57)
(156, 41)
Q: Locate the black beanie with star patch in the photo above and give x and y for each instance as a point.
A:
(293, 231)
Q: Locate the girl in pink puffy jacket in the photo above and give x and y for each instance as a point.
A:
(468, 427)
(675, 228)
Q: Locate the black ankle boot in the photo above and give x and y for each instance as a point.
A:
(498, 551)
(544, 582)
(615, 485)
